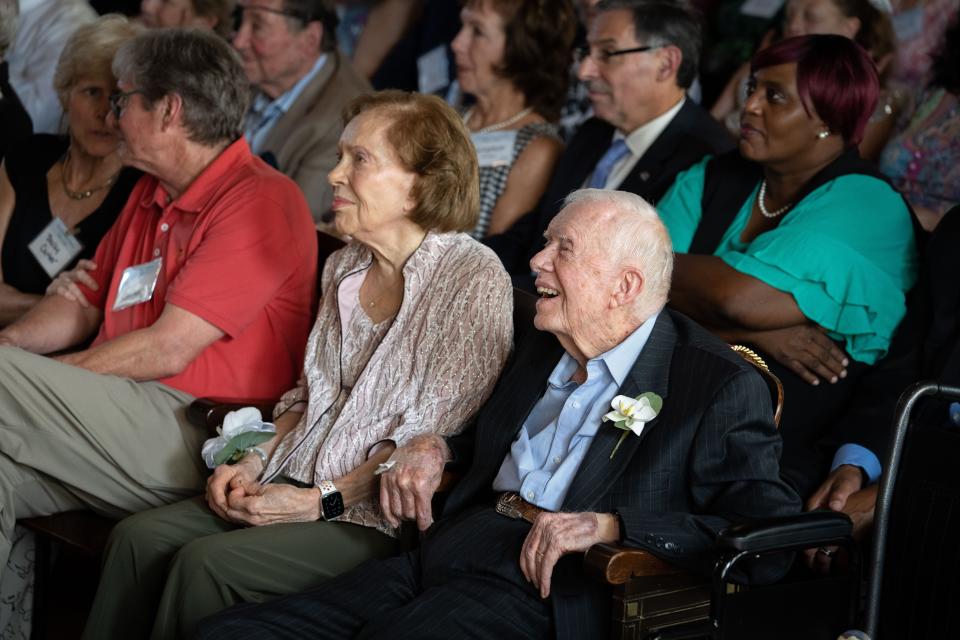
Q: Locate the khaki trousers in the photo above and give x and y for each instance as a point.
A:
(167, 568)
(72, 439)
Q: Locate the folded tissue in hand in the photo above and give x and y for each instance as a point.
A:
(241, 430)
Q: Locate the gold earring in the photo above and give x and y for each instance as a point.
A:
(823, 134)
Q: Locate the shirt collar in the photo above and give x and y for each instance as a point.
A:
(618, 361)
(205, 185)
(262, 103)
(640, 139)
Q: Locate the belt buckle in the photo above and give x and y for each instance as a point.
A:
(505, 505)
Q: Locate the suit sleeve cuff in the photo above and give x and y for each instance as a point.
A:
(858, 456)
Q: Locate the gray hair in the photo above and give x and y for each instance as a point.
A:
(89, 53)
(659, 23)
(303, 12)
(9, 15)
(638, 238)
(196, 65)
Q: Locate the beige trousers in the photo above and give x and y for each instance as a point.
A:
(72, 439)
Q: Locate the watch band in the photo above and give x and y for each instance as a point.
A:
(331, 500)
(326, 487)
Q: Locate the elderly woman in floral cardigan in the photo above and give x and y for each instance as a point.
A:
(413, 329)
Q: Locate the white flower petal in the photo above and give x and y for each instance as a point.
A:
(646, 413)
(613, 416)
(637, 427)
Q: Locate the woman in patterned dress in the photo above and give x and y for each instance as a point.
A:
(512, 57)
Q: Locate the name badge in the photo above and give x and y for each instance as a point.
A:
(433, 70)
(494, 149)
(54, 247)
(765, 9)
(137, 284)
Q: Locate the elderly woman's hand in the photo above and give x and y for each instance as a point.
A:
(228, 480)
(274, 504)
(65, 284)
(406, 490)
(806, 349)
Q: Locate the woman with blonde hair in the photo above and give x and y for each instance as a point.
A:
(60, 194)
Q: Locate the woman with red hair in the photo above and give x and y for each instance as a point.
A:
(795, 245)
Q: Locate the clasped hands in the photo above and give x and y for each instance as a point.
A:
(406, 492)
(842, 491)
(235, 494)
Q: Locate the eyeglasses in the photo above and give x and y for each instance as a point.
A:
(118, 102)
(602, 56)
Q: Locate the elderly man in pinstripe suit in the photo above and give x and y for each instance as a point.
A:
(545, 477)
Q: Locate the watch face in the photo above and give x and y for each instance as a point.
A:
(332, 504)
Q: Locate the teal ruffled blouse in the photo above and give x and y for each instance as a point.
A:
(845, 253)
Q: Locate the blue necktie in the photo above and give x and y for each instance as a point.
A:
(613, 155)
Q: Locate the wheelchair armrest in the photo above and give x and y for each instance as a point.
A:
(616, 564)
(209, 412)
(799, 531)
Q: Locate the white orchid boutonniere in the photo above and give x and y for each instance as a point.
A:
(632, 414)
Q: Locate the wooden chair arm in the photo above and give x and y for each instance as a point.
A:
(615, 564)
(209, 412)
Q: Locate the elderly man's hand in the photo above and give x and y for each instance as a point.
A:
(65, 284)
(554, 535)
(239, 479)
(807, 350)
(274, 504)
(407, 489)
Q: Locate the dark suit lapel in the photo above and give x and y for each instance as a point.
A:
(522, 389)
(597, 137)
(650, 165)
(651, 372)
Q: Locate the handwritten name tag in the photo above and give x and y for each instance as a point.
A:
(54, 247)
(494, 149)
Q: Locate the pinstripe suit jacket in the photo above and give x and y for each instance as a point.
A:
(710, 458)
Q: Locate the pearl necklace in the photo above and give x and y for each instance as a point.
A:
(763, 208)
(497, 126)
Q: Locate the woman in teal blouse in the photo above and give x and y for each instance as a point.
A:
(796, 246)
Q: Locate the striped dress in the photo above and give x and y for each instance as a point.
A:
(493, 180)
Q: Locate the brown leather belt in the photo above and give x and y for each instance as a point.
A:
(510, 504)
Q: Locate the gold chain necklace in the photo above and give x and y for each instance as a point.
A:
(81, 195)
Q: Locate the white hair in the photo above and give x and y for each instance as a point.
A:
(636, 238)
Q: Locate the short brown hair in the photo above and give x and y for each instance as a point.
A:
(538, 49)
(430, 140)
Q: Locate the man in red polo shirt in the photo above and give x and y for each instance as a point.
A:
(204, 286)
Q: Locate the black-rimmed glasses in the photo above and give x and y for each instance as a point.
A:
(602, 56)
(118, 101)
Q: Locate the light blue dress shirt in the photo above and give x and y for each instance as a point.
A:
(264, 113)
(554, 439)
(858, 456)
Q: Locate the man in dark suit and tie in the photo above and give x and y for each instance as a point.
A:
(545, 476)
(640, 59)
